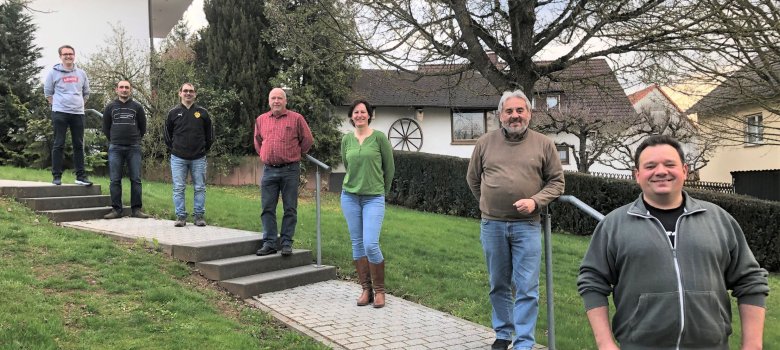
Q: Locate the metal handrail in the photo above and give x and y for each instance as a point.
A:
(582, 206)
(548, 259)
(325, 167)
(94, 112)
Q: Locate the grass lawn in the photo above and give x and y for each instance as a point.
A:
(432, 259)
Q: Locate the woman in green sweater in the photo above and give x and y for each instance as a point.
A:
(368, 159)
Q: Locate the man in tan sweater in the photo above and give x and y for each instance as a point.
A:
(514, 172)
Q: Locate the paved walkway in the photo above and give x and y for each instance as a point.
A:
(161, 231)
(325, 311)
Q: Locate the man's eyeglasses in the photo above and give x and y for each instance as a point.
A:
(68, 54)
(188, 91)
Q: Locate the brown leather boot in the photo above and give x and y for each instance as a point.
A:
(364, 277)
(378, 275)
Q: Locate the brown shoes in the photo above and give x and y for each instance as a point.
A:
(364, 277)
(378, 277)
(114, 214)
(199, 221)
(137, 213)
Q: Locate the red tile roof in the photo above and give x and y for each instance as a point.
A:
(639, 95)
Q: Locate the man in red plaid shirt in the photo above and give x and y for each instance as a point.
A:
(281, 138)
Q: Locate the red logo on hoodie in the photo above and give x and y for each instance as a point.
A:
(70, 79)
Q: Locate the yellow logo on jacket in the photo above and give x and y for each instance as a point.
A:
(197, 114)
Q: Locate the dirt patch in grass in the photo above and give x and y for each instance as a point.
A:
(227, 304)
(44, 272)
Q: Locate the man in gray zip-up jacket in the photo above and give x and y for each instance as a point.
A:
(669, 261)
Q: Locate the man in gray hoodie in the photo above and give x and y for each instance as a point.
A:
(669, 261)
(67, 89)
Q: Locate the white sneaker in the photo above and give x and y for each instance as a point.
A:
(84, 181)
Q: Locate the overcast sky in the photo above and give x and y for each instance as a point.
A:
(196, 20)
(194, 16)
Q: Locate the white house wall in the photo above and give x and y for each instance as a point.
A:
(437, 133)
(570, 139)
(744, 157)
(85, 25)
(659, 106)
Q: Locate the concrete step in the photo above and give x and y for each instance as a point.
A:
(217, 249)
(69, 202)
(78, 214)
(248, 286)
(45, 190)
(246, 265)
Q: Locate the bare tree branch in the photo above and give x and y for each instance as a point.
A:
(406, 34)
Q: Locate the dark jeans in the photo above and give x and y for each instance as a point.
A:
(282, 180)
(61, 123)
(118, 156)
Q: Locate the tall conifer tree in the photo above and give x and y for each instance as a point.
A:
(317, 65)
(233, 55)
(18, 77)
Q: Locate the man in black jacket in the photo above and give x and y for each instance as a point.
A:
(188, 135)
(124, 123)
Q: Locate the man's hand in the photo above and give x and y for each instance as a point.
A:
(525, 206)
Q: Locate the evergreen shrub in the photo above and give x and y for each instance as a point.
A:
(432, 183)
(437, 183)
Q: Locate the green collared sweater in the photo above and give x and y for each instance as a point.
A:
(370, 167)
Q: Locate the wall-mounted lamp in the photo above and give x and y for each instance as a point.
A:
(420, 114)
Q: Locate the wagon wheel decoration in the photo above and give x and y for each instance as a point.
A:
(405, 135)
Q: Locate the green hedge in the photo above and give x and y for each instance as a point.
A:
(432, 183)
(436, 183)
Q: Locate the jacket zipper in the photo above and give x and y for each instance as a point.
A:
(680, 293)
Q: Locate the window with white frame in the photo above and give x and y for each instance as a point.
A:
(553, 101)
(754, 129)
(563, 153)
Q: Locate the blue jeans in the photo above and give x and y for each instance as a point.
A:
(179, 170)
(61, 123)
(282, 180)
(364, 216)
(118, 156)
(513, 251)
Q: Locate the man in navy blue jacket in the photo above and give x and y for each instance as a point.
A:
(124, 123)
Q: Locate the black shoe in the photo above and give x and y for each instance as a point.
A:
(199, 221)
(266, 250)
(181, 221)
(286, 250)
(114, 214)
(83, 181)
(500, 344)
(57, 180)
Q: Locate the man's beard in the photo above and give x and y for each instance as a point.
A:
(514, 131)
